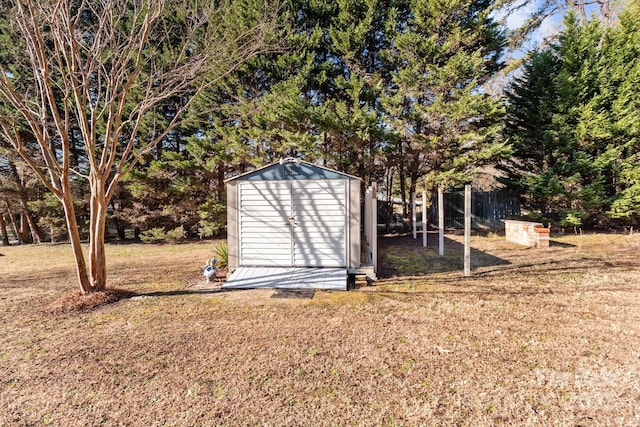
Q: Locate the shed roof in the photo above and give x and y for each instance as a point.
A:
(287, 169)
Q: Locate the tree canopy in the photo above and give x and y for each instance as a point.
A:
(572, 120)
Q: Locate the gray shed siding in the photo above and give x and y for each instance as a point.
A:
(298, 171)
(354, 223)
(232, 223)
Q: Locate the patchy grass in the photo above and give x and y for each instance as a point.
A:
(535, 337)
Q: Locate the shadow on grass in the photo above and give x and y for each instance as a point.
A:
(178, 292)
(402, 255)
(562, 266)
(277, 293)
(293, 293)
(555, 243)
(489, 290)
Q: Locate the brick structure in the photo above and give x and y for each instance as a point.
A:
(526, 233)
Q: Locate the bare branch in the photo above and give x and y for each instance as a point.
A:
(102, 69)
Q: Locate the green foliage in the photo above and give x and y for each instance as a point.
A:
(51, 217)
(213, 218)
(442, 53)
(164, 194)
(159, 235)
(221, 252)
(572, 119)
(360, 76)
(572, 218)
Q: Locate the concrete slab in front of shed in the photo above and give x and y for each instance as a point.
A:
(287, 278)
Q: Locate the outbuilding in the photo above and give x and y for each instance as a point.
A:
(293, 224)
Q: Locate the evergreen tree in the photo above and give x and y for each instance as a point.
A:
(338, 95)
(442, 54)
(532, 104)
(623, 79)
(576, 102)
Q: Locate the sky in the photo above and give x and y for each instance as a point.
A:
(550, 26)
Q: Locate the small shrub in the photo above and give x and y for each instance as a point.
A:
(213, 218)
(158, 235)
(208, 229)
(221, 252)
(154, 235)
(573, 218)
(176, 234)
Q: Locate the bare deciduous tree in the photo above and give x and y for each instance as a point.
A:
(535, 13)
(103, 68)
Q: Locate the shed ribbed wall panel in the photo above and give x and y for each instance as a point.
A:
(293, 223)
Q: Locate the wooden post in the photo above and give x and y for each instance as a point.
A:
(367, 207)
(467, 230)
(440, 221)
(424, 218)
(413, 215)
(374, 226)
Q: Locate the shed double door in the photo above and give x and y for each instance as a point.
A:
(296, 223)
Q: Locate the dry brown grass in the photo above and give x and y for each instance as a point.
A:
(535, 337)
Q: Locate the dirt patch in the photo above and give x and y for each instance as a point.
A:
(294, 293)
(74, 302)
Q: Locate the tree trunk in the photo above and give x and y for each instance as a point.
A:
(24, 228)
(388, 204)
(117, 218)
(220, 185)
(120, 229)
(73, 148)
(76, 245)
(26, 219)
(36, 234)
(387, 225)
(97, 226)
(403, 184)
(3, 229)
(16, 229)
(412, 191)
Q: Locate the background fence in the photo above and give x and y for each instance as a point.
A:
(488, 208)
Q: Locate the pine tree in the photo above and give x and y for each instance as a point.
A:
(577, 102)
(442, 54)
(532, 104)
(625, 154)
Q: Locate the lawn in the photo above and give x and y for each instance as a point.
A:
(535, 337)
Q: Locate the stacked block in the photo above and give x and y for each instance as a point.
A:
(526, 233)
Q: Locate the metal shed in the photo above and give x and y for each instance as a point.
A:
(293, 224)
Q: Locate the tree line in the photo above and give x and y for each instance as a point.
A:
(123, 120)
(573, 123)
